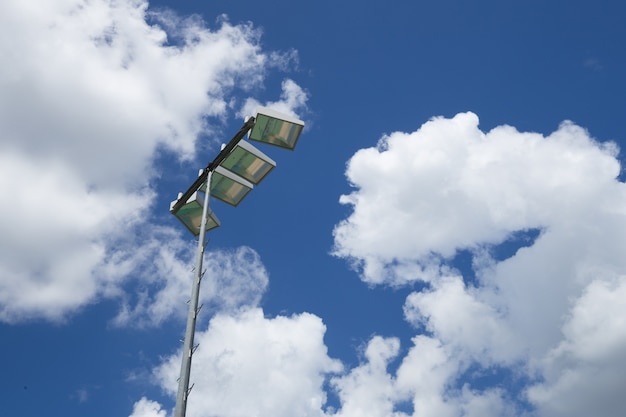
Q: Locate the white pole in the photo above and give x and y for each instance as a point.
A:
(188, 347)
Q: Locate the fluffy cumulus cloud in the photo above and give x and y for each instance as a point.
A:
(292, 97)
(90, 91)
(459, 188)
(247, 364)
(367, 390)
(147, 408)
(548, 317)
(236, 279)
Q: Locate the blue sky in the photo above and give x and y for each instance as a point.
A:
(446, 239)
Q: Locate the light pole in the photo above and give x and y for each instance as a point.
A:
(229, 177)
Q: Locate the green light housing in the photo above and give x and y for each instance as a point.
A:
(248, 162)
(228, 187)
(190, 214)
(275, 128)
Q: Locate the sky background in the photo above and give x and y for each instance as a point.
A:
(447, 239)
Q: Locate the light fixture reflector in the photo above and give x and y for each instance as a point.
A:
(190, 214)
(275, 128)
(248, 162)
(228, 187)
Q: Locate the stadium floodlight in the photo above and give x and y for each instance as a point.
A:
(228, 187)
(190, 214)
(275, 128)
(229, 177)
(248, 162)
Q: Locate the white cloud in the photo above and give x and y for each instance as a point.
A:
(425, 379)
(89, 92)
(549, 314)
(585, 372)
(54, 233)
(465, 324)
(293, 100)
(147, 408)
(235, 279)
(247, 364)
(458, 188)
(368, 390)
(429, 374)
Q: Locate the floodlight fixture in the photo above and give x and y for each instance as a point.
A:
(190, 214)
(228, 187)
(275, 128)
(248, 162)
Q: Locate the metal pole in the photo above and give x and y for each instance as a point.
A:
(188, 347)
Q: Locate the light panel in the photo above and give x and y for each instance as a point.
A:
(190, 214)
(276, 128)
(248, 162)
(228, 187)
